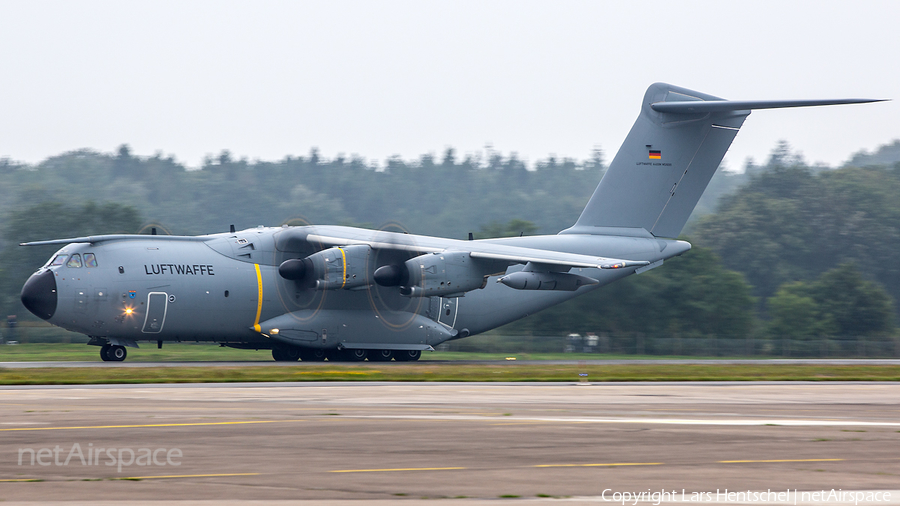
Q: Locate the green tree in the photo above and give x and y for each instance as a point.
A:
(839, 303)
(790, 223)
(857, 307)
(796, 314)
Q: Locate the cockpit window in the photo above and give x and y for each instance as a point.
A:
(90, 260)
(75, 261)
(59, 260)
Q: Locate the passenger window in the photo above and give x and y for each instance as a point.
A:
(59, 260)
(90, 260)
(75, 261)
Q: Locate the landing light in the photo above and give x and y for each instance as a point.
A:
(128, 310)
(274, 331)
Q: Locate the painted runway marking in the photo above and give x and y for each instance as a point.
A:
(777, 460)
(659, 421)
(152, 425)
(398, 469)
(408, 469)
(186, 476)
(603, 465)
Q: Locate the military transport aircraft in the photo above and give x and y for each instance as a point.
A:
(341, 293)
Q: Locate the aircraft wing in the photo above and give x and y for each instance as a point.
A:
(343, 236)
(479, 249)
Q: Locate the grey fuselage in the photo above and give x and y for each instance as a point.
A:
(226, 288)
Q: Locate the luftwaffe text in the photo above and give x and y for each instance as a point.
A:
(195, 270)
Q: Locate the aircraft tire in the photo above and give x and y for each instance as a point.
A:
(407, 355)
(117, 353)
(312, 355)
(103, 352)
(381, 355)
(285, 354)
(292, 354)
(355, 355)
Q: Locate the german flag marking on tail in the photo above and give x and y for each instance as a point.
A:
(655, 155)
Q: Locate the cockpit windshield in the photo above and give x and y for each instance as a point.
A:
(75, 261)
(59, 260)
(90, 260)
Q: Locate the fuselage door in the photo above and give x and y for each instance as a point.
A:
(157, 304)
(448, 311)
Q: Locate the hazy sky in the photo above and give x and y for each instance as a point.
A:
(269, 79)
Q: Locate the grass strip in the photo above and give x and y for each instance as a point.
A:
(191, 352)
(424, 371)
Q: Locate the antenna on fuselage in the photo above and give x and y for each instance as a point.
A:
(231, 229)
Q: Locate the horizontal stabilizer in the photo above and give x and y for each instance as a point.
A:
(699, 106)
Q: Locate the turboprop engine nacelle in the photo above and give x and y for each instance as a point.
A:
(330, 269)
(446, 273)
(524, 280)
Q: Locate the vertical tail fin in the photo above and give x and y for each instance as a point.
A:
(663, 167)
(668, 159)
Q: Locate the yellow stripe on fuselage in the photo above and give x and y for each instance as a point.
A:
(259, 300)
(344, 275)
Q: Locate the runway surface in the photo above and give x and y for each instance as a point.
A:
(409, 441)
(272, 363)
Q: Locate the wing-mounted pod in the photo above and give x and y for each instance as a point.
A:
(330, 269)
(561, 281)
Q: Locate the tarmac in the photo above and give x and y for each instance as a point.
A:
(462, 443)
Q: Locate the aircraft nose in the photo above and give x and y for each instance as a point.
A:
(39, 294)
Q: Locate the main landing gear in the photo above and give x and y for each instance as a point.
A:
(374, 355)
(381, 355)
(285, 354)
(407, 355)
(348, 355)
(291, 354)
(312, 355)
(113, 353)
(357, 355)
